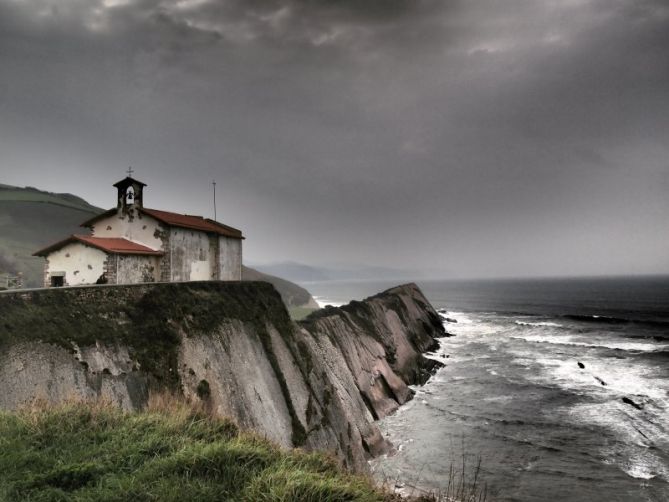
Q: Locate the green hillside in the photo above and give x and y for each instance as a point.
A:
(31, 219)
(292, 294)
(31, 194)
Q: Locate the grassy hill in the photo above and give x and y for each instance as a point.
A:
(31, 219)
(169, 452)
(31, 194)
(297, 299)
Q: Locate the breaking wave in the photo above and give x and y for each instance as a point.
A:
(602, 319)
(544, 324)
(611, 345)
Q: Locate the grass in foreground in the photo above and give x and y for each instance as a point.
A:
(170, 452)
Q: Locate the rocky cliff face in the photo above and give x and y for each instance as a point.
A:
(381, 340)
(318, 384)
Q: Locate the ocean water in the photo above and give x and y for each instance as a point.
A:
(512, 391)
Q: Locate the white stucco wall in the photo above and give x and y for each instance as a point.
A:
(82, 264)
(230, 259)
(190, 255)
(143, 230)
(132, 269)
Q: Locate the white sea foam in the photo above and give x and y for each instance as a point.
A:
(524, 361)
(639, 472)
(645, 465)
(461, 317)
(635, 435)
(471, 328)
(608, 344)
(499, 399)
(322, 301)
(545, 324)
(621, 378)
(438, 356)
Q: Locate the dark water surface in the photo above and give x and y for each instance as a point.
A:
(512, 391)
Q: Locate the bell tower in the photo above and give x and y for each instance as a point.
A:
(130, 194)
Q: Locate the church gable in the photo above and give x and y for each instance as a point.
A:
(140, 228)
(75, 263)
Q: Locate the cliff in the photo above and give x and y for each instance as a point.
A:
(318, 384)
(381, 340)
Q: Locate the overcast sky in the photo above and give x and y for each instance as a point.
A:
(477, 137)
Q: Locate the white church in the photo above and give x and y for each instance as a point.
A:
(132, 244)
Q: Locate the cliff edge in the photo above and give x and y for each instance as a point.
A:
(318, 384)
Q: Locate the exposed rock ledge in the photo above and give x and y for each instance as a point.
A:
(318, 384)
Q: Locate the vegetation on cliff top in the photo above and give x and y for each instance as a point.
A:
(148, 319)
(171, 451)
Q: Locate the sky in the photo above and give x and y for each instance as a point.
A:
(467, 138)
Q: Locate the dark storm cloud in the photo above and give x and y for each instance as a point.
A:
(482, 137)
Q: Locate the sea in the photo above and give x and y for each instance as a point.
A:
(551, 390)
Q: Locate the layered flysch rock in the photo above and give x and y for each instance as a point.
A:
(319, 384)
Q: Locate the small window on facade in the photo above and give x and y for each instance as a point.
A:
(57, 281)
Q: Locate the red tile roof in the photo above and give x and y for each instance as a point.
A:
(113, 245)
(193, 222)
(178, 220)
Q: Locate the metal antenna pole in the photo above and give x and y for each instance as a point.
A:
(214, 183)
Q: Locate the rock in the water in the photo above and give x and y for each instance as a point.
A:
(627, 400)
(442, 313)
(581, 365)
